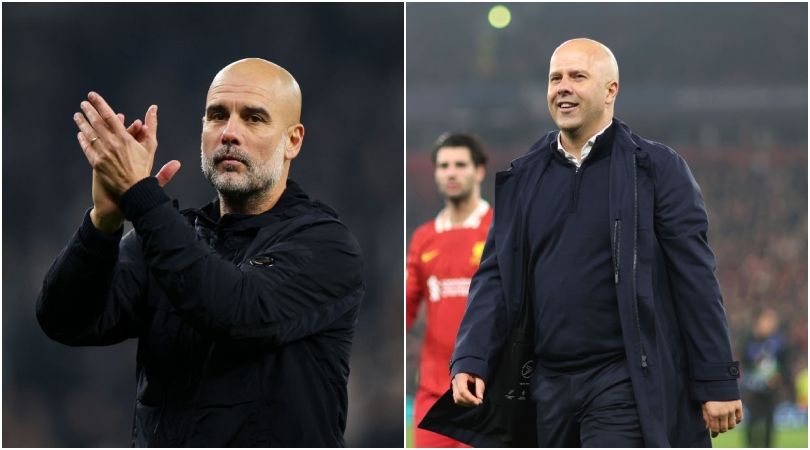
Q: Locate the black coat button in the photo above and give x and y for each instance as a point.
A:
(733, 371)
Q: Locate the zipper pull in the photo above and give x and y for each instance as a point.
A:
(643, 361)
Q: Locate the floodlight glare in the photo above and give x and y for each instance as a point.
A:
(499, 16)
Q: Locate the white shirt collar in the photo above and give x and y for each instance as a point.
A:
(443, 223)
(586, 149)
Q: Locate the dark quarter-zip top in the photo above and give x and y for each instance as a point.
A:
(571, 268)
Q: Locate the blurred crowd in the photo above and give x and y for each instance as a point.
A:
(758, 229)
(518, 51)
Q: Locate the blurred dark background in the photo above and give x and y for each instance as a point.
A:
(725, 85)
(348, 59)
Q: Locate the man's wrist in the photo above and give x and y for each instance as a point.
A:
(106, 223)
(142, 197)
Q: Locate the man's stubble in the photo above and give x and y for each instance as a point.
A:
(257, 180)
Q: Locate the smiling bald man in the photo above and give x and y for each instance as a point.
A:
(602, 235)
(244, 309)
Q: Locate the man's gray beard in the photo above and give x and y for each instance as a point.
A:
(256, 181)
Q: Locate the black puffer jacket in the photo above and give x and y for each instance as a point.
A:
(244, 323)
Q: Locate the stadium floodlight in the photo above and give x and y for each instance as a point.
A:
(499, 16)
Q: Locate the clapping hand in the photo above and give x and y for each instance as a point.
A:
(120, 156)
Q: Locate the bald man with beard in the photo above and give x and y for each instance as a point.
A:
(601, 234)
(244, 309)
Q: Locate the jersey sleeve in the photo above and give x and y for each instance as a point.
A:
(414, 280)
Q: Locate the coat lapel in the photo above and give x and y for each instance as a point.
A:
(632, 205)
(514, 191)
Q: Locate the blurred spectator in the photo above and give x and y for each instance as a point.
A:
(801, 389)
(764, 364)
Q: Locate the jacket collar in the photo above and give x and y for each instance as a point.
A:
(624, 137)
(544, 147)
(293, 202)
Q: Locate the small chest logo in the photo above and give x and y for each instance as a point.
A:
(477, 251)
(427, 256)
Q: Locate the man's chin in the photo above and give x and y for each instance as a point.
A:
(234, 178)
(239, 190)
(230, 184)
(236, 194)
(459, 197)
(568, 124)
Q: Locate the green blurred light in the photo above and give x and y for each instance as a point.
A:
(499, 16)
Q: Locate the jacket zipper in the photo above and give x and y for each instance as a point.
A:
(635, 261)
(617, 248)
(575, 200)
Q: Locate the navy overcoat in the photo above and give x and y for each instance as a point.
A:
(671, 311)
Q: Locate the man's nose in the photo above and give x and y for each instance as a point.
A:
(564, 87)
(231, 135)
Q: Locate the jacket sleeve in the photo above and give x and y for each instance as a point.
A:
(313, 280)
(414, 282)
(681, 225)
(92, 293)
(482, 333)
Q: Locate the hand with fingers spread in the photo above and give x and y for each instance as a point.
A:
(461, 389)
(120, 156)
(720, 417)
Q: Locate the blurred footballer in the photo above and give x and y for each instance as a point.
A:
(443, 256)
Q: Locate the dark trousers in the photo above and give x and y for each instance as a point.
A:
(759, 422)
(592, 408)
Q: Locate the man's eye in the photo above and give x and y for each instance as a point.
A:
(216, 116)
(255, 118)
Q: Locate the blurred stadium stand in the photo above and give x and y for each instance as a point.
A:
(725, 85)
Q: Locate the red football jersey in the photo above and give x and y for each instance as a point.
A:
(441, 262)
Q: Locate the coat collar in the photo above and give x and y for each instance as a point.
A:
(293, 202)
(543, 148)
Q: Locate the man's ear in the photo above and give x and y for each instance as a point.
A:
(295, 138)
(613, 91)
